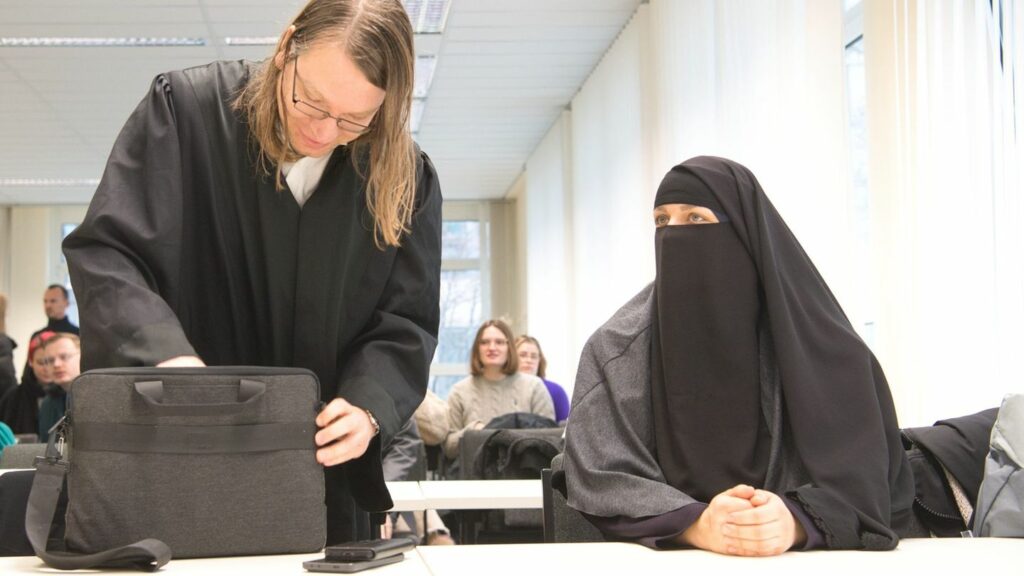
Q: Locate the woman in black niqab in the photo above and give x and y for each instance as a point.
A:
(760, 389)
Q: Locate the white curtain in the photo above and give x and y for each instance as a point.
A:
(612, 235)
(944, 174)
(759, 82)
(547, 240)
(762, 83)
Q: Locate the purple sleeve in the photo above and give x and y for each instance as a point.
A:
(559, 399)
(815, 539)
(652, 531)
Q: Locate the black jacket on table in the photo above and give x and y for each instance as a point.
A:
(188, 249)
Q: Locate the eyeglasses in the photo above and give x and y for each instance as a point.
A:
(318, 114)
(64, 358)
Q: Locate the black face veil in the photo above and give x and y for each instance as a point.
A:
(717, 286)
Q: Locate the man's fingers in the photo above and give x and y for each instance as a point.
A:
(335, 409)
(339, 428)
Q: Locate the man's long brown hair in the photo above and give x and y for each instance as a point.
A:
(378, 36)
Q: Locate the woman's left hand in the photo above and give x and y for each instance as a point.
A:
(766, 529)
(345, 433)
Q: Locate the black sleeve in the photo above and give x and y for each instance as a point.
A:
(655, 532)
(388, 368)
(130, 243)
(403, 454)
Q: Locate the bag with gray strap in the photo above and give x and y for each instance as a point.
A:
(1000, 509)
(198, 462)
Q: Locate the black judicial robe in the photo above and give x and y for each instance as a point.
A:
(187, 249)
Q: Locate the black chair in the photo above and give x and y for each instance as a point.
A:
(506, 454)
(561, 522)
(21, 455)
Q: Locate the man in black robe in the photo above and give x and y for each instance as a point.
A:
(188, 250)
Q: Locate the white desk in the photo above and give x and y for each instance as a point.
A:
(482, 494)
(249, 565)
(407, 496)
(919, 556)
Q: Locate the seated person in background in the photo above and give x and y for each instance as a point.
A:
(731, 406)
(432, 419)
(19, 407)
(399, 461)
(61, 353)
(6, 437)
(494, 389)
(533, 362)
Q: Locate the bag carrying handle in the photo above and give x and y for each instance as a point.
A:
(149, 554)
(152, 392)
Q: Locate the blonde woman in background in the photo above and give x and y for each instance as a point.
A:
(533, 362)
(495, 387)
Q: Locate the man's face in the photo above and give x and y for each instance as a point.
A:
(55, 304)
(63, 358)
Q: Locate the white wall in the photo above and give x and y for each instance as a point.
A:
(613, 240)
(32, 262)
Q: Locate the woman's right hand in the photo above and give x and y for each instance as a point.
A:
(708, 532)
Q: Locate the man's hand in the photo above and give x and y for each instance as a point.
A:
(345, 433)
(182, 362)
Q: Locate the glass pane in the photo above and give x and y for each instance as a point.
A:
(442, 385)
(460, 239)
(461, 304)
(72, 311)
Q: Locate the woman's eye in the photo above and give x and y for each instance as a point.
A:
(696, 218)
(661, 220)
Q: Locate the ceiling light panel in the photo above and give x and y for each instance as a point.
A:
(87, 42)
(428, 16)
(424, 75)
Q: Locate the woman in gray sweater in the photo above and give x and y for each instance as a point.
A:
(495, 387)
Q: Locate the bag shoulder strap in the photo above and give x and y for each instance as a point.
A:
(148, 554)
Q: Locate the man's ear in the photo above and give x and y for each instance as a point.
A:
(280, 57)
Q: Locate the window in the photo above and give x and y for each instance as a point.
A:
(60, 274)
(464, 292)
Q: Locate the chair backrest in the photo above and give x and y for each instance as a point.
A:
(561, 522)
(21, 455)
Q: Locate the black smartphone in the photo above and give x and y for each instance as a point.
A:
(368, 549)
(328, 565)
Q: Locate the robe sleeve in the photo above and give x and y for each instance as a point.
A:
(389, 364)
(130, 243)
(610, 466)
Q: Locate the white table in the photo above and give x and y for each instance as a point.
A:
(913, 557)
(917, 556)
(248, 565)
(482, 494)
(407, 496)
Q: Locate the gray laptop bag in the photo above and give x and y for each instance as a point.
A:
(201, 462)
